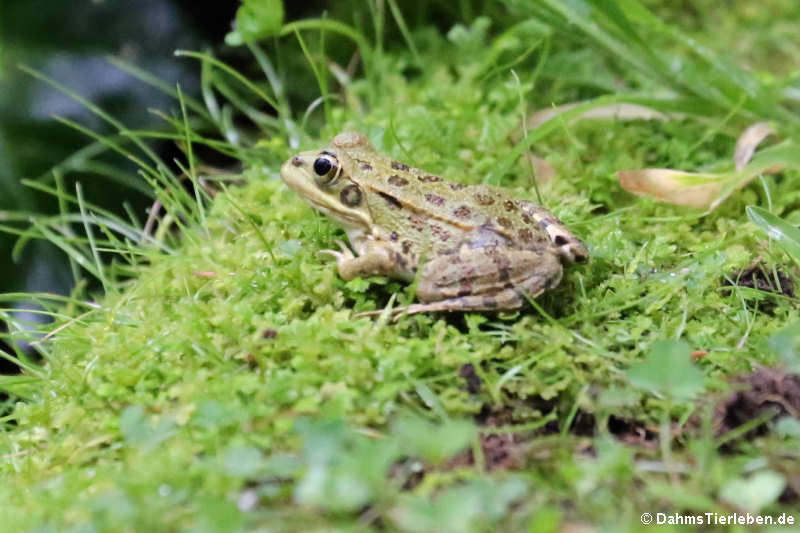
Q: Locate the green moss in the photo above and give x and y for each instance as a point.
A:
(174, 403)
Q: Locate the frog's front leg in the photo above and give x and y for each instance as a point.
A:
(376, 258)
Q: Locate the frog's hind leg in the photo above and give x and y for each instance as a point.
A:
(509, 298)
(506, 299)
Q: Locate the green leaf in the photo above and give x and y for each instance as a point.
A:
(217, 516)
(668, 370)
(786, 345)
(434, 442)
(133, 426)
(754, 493)
(137, 430)
(344, 470)
(786, 235)
(256, 19)
(788, 427)
(457, 509)
(244, 461)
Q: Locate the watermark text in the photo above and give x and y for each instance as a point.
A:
(718, 519)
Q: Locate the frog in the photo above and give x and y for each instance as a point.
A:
(469, 247)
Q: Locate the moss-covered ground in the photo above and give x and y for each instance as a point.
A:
(222, 383)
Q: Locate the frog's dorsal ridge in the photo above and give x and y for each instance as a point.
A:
(348, 140)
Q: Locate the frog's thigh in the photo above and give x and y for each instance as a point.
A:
(490, 272)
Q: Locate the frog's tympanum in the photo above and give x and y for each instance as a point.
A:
(473, 247)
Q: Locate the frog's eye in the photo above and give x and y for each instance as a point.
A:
(326, 169)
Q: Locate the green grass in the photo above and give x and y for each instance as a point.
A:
(222, 383)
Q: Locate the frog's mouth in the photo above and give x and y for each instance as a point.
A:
(297, 178)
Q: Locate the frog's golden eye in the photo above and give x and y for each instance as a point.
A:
(326, 170)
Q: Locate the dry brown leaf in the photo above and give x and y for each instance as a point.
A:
(705, 191)
(621, 111)
(673, 186)
(748, 142)
(543, 170)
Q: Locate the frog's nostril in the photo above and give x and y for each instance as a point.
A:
(296, 161)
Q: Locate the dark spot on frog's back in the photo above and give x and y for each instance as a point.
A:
(399, 166)
(506, 223)
(434, 199)
(397, 181)
(393, 236)
(457, 186)
(417, 222)
(483, 199)
(406, 247)
(463, 212)
(510, 205)
(525, 235)
(391, 201)
(439, 232)
(560, 240)
(429, 179)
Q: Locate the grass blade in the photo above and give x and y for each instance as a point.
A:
(786, 235)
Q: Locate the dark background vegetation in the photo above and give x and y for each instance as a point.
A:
(70, 42)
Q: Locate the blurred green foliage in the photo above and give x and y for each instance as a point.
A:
(223, 383)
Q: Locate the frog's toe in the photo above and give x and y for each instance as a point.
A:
(340, 257)
(573, 252)
(343, 254)
(343, 247)
(570, 248)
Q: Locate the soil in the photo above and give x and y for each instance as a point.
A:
(758, 392)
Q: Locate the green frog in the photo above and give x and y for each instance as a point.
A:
(472, 247)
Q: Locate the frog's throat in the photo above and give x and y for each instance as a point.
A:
(348, 218)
